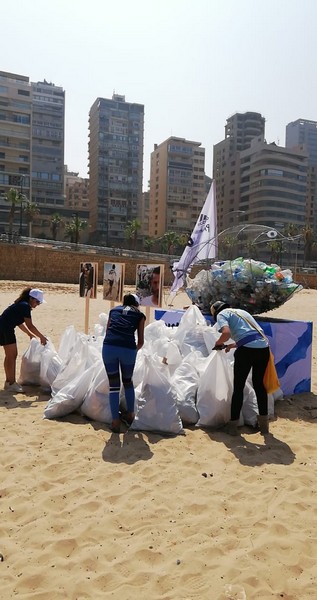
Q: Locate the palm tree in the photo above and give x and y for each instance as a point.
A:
(276, 247)
(182, 241)
(226, 246)
(148, 244)
(31, 209)
(74, 227)
(15, 198)
(131, 231)
(169, 241)
(56, 221)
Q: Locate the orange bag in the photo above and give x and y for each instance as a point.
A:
(270, 379)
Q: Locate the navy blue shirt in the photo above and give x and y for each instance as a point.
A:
(15, 314)
(123, 323)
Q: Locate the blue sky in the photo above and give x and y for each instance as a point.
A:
(191, 63)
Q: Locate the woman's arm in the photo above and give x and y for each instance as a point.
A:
(25, 330)
(140, 334)
(225, 336)
(35, 331)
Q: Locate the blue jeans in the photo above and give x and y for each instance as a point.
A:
(116, 359)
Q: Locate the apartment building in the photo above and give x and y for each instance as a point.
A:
(240, 129)
(273, 185)
(116, 131)
(48, 127)
(32, 129)
(177, 186)
(15, 142)
(302, 133)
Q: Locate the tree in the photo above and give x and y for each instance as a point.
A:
(73, 229)
(148, 244)
(309, 242)
(15, 198)
(31, 209)
(56, 221)
(276, 248)
(169, 241)
(226, 247)
(131, 231)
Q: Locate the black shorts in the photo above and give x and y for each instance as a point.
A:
(7, 336)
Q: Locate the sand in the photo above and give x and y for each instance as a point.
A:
(87, 514)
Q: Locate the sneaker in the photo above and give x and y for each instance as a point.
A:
(13, 387)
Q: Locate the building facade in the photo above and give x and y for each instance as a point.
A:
(303, 134)
(273, 185)
(177, 186)
(32, 125)
(116, 131)
(15, 143)
(47, 175)
(240, 129)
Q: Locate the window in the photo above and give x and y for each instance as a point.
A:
(23, 93)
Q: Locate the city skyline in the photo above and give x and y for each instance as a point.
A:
(192, 65)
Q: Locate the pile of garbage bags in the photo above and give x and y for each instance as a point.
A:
(179, 380)
(243, 283)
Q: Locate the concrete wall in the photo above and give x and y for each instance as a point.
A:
(35, 263)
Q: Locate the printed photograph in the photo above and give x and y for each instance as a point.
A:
(88, 278)
(113, 279)
(149, 284)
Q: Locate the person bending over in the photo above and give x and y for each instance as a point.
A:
(119, 354)
(252, 352)
(18, 314)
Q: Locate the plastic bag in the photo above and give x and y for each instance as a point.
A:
(215, 391)
(31, 363)
(270, 379)
(96, 405)
(156, 407)
(71, 396)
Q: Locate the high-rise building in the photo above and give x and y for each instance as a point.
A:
(273, 185)
(116, 129)
(240, 129)
(32, 151)
(177, 186)
(48, 126)
(15, 142)
(303, 134)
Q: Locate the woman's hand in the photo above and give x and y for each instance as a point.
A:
(229, 347)
(43, 340)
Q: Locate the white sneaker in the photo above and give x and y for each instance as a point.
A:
(13, 387)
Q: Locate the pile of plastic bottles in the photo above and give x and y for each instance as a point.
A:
(244, 283)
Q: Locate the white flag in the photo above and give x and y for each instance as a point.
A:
(202, 244)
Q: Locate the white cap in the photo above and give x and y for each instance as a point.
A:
(136, 298)
(37, 295)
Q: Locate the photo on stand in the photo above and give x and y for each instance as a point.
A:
(88, 278)
(149, 284)
(113, 281)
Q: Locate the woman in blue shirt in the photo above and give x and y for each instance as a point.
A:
(18, 314)
(119, 354)
(252, 352)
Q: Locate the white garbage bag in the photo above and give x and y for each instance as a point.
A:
(71, 396)
(156, 407)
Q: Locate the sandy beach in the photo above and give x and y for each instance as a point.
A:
(87, 514)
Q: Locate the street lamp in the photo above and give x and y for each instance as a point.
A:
(21, 203)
